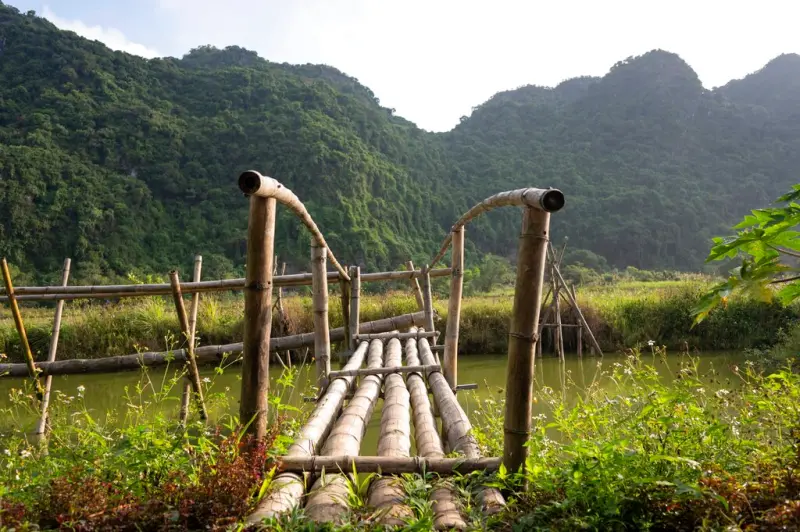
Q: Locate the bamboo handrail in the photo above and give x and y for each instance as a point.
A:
(68, 293)
(252, 183)
(389, 465)
(547, 200)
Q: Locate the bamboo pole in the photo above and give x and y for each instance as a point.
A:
(327, 499)
(287, 488)
(531, 259)
(427, 300)
(69, 293)
(257, 316)
(581, 318)
(426, 369)
(23, 335)
(355, 302)
(398, 335)
(191, 364)
(282, 322)
(344, 286)
(429, 445)
(319, 296)
(386, 494)
(389, 465)
(544, 200)
(579, 331)
(415, 286)
(187, 386)
(41, 427)
(203, 355)
(559, 330)
(456, 426)
(450, 359)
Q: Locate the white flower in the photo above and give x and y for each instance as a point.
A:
(7, 452)
(628, 371)
(651, 343)
(25, 453)
(81, 389)
(206, 380)
(701, 390)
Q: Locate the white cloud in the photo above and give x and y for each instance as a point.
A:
(111, 37)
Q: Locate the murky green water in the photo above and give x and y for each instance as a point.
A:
(106, 392)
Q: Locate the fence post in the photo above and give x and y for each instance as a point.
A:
(355, 304)
(319, 294)
(191, 363)
(450, 361)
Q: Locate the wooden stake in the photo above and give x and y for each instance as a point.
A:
(253, 409)
(427, 300)
(191, 364)
(319, 295)
(450, 359)
(355, 301)
(415, 286)
(559, 330)
(579, 329)
(522, 339)
(23, 335)
(41, 427)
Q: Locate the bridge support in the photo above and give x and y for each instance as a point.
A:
(322, 341)
(450, 359)
(522, 335)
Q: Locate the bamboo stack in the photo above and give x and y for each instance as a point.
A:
(456, 426)
(327, 499)
(287, 488)
(446, 513)
(387, 494)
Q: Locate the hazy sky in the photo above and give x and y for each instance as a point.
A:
(433, 60)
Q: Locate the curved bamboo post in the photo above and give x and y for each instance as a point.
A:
(445, 508)
(386, 494)
(253, 183)
(41, 427)
(327, 499)
(456, 426)
(319, 295)
(450, 358)
(545, 200)
(287, 488)
(191, 364)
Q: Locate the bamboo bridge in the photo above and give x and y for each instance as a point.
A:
(397, 358)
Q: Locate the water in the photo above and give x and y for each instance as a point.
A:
(107, 391)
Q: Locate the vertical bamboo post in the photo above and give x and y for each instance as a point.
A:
(522, 335)
(344, 286)
(579, 329)
(450, 362)
(191, 363)
(187, 385)
(283, 329)
(559, 330)
(427, 300)
(23, 335)
(253, 408)
(355, 301)
(415, 287)
(41, 427)
(319, 294)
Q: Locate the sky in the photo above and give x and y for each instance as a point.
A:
(434, 60)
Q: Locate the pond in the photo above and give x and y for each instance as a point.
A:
(107, 391)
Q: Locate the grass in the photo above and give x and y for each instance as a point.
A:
(633, 453)
(620, 314)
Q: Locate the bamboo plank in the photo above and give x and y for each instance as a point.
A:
(23, 335)
(327, 498)
(203, 355)
(287, 488)
(429, 445)
(41, 426)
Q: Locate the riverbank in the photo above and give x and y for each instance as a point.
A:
(620, 315)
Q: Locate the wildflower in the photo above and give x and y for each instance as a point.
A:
(628, 371)
(206, 380)
(701, 390)
(81, 389)
(25, 453)
(7, 452)
(651, 343)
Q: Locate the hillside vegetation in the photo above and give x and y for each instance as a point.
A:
(129, 165)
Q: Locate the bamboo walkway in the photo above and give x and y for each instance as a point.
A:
(395, 359)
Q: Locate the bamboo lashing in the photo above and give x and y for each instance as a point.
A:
(545, 200)
(254, 400)
(429, 445)
(522, 337)
(450, 357)
(41, 426)
(319, 303)
(23, 335)
(287, 489)
(327, 499)
(203, 355)
(389, 465)
(386, 494)
(456, 426)
(193, 374)
(415, 286)
(253, 183)
(69, 293)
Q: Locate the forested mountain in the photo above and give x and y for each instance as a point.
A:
(126, 164)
